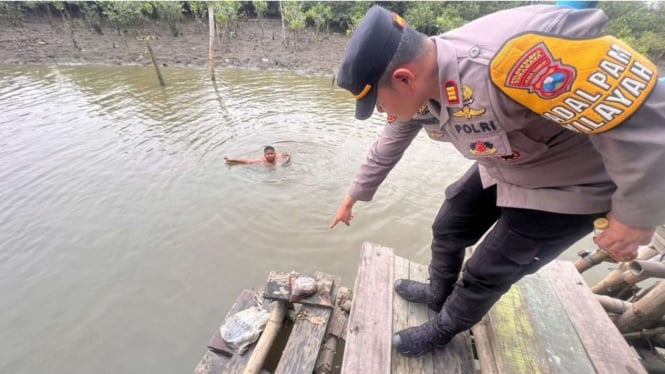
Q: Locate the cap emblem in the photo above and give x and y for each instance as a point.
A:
(399, 21)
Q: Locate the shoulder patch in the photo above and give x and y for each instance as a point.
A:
(585, 85)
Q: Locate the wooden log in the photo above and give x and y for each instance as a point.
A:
(645, 312)
(370, 321)
(154, 63)
(264, 344)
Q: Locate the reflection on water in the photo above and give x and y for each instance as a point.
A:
(124, 238)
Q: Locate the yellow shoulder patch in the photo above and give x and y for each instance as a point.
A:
(585, 85)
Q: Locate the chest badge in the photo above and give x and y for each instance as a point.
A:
(436, 134)
(481, 148)
(467, 111)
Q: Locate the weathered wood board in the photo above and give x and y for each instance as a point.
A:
(542, 325)
(368, 339)
(456, 357)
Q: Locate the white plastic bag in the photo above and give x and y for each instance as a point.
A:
(243, 328)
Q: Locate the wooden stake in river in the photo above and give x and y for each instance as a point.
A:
(154, 63)
(211, 46)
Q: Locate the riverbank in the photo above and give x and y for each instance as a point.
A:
(251, 45)
(254, 45)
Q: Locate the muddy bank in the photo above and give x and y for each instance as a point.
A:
(250, 45)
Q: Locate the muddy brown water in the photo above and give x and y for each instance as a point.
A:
(124, 238)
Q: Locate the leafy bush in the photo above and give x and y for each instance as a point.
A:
(171, 12)
(92, 16)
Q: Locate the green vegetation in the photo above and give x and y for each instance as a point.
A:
(640, 23)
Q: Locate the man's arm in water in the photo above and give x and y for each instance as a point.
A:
(237, 161)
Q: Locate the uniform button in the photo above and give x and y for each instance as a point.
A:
(474, 51)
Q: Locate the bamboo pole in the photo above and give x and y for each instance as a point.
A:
(613, 305)
(614, 281)
(592, 259)
(647, 269)
(645, 312)
(154, 63)
(264, 344)
(645, 333)
(211, 44)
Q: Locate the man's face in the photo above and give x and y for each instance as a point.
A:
(397, 101)
(269, 156)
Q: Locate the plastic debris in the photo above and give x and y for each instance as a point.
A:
(243, 328)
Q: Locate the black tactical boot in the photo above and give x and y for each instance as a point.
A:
(416, 341)
(421, 293)
(433, 293)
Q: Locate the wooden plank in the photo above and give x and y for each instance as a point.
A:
(368, 340)
(407, 314)
(562, 349)
(482, 334)
(515, 345)
(606, 348)
(400, 314)
(302, 348)
(529, 331)
(211, 363)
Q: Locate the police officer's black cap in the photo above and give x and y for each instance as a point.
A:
(367, 56)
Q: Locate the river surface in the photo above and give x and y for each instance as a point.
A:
(124, 237)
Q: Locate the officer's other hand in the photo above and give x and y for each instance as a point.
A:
(621, 241)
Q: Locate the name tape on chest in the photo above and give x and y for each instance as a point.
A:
(588, 85)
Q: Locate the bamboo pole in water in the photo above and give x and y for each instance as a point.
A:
(154, 63)
(211, 44)
(262, 348)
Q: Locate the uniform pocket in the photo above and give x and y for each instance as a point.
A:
(523, 149)
(517, 248)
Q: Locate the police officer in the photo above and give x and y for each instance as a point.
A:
(564, 125)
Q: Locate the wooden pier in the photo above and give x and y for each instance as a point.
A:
(549, 322)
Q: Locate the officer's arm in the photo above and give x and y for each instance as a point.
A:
(634, 156)
(381, 158)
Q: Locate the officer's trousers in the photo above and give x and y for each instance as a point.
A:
(520, 242)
